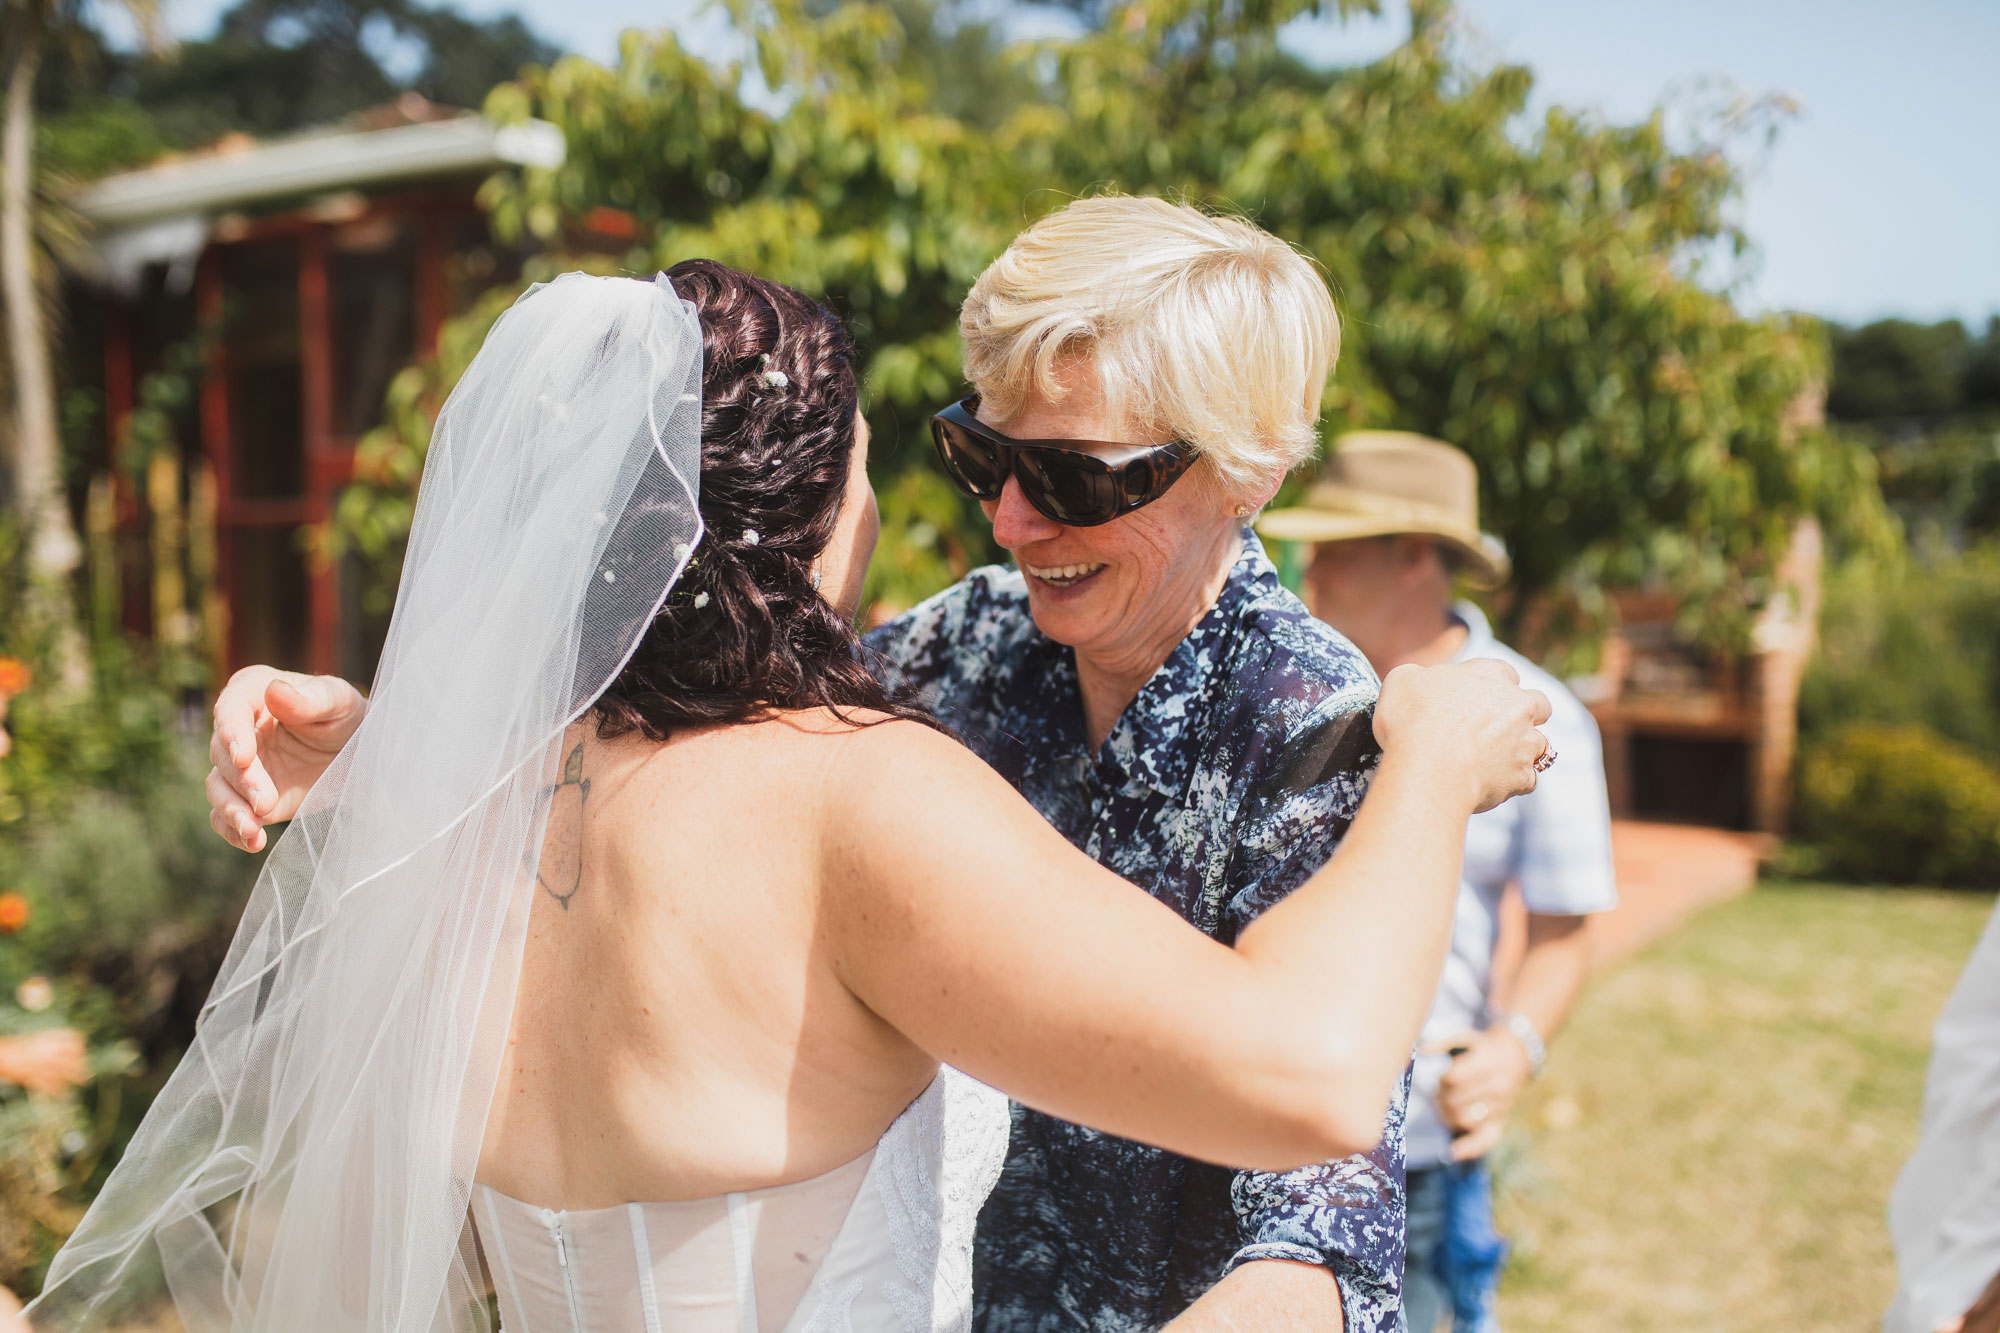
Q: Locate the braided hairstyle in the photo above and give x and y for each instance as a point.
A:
(745, 631)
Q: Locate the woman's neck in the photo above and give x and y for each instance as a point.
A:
(1109, 680)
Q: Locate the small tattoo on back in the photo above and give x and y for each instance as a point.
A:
(560, 869)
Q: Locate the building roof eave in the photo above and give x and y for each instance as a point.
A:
(315, 164)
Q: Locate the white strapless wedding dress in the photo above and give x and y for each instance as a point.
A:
(880, 1245)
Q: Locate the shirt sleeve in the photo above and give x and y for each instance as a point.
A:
(943, 642)
(913, 653)
(1564, 853)
(889, 648)
(1350, 1215)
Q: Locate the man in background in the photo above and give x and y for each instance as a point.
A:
(1394, 519)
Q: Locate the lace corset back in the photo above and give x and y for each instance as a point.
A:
(883, 1243)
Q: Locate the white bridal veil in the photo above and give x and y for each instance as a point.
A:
(308, 1164)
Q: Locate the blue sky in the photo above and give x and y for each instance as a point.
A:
(1880, 196)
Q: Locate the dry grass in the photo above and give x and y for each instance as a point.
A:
(1714, 1144)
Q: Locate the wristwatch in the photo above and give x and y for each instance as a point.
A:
(1531, 1041)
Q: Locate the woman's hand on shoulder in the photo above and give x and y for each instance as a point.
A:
(1472, 721)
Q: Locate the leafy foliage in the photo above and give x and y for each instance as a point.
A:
(278, 65)
(1910, 642)
(121, 899)
(1895, 368)
(1530, 297)
(1901, 805)
(1924, 400)
(1533, 296)
(1941, 478)
(273, 66)
(857, 191)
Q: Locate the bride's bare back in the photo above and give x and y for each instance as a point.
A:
(682, 1030)
(750, 946)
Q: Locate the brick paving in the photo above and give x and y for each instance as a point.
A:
(1666, 873)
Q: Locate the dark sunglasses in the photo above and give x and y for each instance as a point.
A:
(1075, 487)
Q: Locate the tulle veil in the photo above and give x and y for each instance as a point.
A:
(308, 1164)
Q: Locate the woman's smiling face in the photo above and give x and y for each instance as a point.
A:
(1123, 593)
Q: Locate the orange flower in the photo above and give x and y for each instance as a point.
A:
(14, 676)
(13, 913)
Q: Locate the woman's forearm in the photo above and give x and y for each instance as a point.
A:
(1355, 953)
(973, 928)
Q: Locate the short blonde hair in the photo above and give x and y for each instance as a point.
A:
(1200, 326)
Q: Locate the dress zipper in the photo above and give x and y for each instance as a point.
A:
(554, 1221)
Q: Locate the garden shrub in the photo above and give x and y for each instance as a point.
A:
(1910, 641)
(1902, 805)
(117, 902)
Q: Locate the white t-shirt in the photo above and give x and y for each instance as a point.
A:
(1555, 842)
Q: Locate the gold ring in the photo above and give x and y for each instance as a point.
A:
(1546, 758)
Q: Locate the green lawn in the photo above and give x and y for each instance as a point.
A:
(1714, 1144)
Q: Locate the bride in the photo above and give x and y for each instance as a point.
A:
(622, 962)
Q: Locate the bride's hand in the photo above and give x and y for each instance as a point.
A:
(275, 733)
(1473, 720)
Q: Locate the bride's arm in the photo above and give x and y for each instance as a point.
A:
(969, 924)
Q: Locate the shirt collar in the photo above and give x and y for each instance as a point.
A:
(1152, 741)
(1479, 640)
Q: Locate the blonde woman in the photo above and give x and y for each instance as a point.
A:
(772, 922)
(1141, 676)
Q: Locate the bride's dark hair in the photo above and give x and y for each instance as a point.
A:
(744, 630)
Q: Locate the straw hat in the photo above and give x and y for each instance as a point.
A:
(1379, 483)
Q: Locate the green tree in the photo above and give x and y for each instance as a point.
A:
(26, 275)
(1894, 368)
(856, 189)
(1535, 295)
(273, 66)
(279, 65)
(1912, 641)
(1981, 391)
(1924, 399)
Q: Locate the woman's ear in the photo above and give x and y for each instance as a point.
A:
(1258, 493)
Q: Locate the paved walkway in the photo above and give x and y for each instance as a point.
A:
(1666, 873)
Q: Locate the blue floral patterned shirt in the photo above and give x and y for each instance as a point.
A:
(1222, 787)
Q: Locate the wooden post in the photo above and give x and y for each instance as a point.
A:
(101, 538)
(432, 245)
(204, 594)
(120, 493)
(169, 533)
(120, 393)
(316, 385)
(216, 444)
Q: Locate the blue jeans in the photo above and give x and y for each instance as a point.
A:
(1455, 1255)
